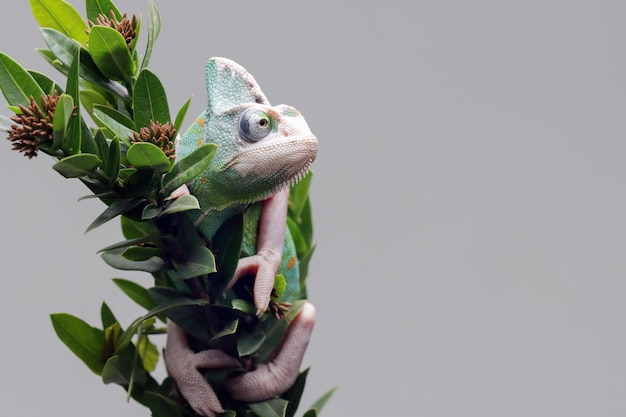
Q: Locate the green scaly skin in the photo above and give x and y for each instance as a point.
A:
(262, 149)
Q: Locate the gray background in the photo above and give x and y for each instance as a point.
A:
(468, 200)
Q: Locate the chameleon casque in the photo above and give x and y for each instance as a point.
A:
(262, 150)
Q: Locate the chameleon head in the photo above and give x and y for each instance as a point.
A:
(273, 148)
(261, 148)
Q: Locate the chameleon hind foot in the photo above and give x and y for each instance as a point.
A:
(264, 382)
(275, 377)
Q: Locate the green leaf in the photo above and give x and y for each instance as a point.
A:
(306, 223)
(142, 253)
(143, 155)
(112, 164)
(229, 330)
(321, 402)
(243, 306)
(280, 284)
(46, 83)
(132, 46)
(149, 353)
(77, 166)
(228, 239)
(115, 121)
(87, 141)
(154, 28)
(180, 116)
(299, 195)
(111, 335)
(106, 315)
(116, 259)
(110, 53)
(82, 339)
(188, 168)
(162, 406)
(16, 83)
(149, 100)
(101, 146)
(71, 86)
(61, 47)
(89, 98)
(132, 229)
(117, 116)
(180, 204)
(249, 343)
(64, 49)
(60, 15)
(115, 209)
(298, 239)
(189, 318)
(98, 7)
(150, 212)
(304, 267)
(135, 292)
(276, 407)
(137, 183)
(200, 262)
(61, 119)
(294, 394)
(126, 337)
(72, 143)
(132, 242)
(119, 370)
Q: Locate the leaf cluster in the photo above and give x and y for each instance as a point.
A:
(108, 97)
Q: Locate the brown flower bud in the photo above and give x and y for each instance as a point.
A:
(161, 135)
(127, 27)
(34, 125)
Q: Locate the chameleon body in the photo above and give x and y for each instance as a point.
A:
(262, 149)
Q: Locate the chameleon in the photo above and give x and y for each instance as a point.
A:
(261, 151)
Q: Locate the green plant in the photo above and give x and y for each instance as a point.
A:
(125, 158)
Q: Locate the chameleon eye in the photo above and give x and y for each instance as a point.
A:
(254, 125)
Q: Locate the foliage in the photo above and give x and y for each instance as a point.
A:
(123, 154)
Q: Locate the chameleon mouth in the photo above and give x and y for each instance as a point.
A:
(267, 167)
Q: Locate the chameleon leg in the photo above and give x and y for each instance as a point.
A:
(270, 244)
(277, 376)
(182, 364)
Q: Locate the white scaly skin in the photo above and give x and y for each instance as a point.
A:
(262, 149)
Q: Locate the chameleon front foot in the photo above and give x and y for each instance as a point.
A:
(274, 378)
(263, 266)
